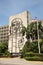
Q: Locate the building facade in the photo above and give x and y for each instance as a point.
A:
(4, 30)
(16, 40)
(35, 20)
(12, 32)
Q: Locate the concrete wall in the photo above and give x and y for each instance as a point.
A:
(25, 19)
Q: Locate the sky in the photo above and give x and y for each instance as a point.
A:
(13, 7)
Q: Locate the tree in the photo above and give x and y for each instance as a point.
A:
(23, 30)
(3, 48)
(31, 31)
(41, 46)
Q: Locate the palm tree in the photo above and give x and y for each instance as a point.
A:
(37, 32)
(23, 30)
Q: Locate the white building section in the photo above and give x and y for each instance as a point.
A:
(16, 40)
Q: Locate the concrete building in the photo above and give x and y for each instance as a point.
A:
(12, 32)
(35, 20)
(4, 30)
(16, 40)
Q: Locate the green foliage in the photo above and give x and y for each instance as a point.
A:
(30, 49)
(3, 49)
(33, 56)
(26, 47)
(7, 53)
(23, 30)
(31, 31)
(33, 47)
(41, 46)
(27, 34)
